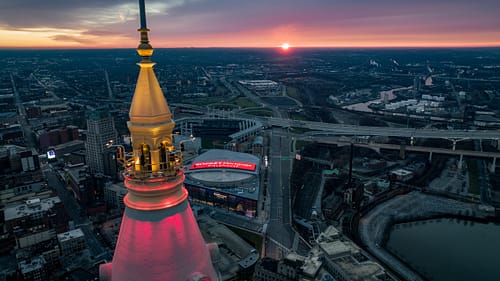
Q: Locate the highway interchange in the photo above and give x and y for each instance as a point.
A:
(342, 129)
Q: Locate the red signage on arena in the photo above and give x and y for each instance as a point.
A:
(223, 165)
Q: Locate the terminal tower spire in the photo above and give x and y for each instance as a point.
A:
(159, 238)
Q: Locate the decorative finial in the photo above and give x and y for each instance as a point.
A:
(145, 50)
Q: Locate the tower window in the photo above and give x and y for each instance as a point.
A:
(145, 157)
(163, 155)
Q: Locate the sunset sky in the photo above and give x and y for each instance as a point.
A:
(250, 23)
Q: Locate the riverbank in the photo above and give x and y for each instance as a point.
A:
(413, 206)
(448, 248)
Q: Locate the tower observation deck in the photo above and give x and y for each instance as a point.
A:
(159, 238)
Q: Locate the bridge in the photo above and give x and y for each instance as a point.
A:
(252, 124)
(425, 149)
(341, 129)
(321, 132)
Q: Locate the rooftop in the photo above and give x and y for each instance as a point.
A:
(9, 149)
(336, 248)
(35, 263)
(214, 155)
(226, 171)
(348, 257)
(69, 235)
(30, 207)
(401, 172)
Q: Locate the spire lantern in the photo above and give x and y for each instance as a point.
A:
(151, 125)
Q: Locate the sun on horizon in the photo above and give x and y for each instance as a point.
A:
(285, 46)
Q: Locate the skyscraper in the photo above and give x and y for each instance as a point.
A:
(100, 131)
(159, 238)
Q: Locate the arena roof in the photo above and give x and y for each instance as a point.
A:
(227, 171)
(220, 159)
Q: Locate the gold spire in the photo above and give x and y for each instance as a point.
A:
(148, 103)
(151, 123)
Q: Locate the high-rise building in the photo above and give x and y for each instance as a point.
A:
(100, 132)
(159, 238)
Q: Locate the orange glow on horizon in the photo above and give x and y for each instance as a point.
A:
(44, 38)
(285, 46)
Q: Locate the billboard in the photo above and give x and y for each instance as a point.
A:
(51, 154)
(223, 165)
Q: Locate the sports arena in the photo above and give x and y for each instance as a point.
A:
(225, 179)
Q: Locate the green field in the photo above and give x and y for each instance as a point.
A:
(298, 116)
(299, 144)
(299, 130)
(203, 101)
(242, 102)
(293, 92)
(260, 112)
(222, 102)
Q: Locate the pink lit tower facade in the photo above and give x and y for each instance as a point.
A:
(159, 238)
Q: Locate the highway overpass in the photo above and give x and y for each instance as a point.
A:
(352, 130)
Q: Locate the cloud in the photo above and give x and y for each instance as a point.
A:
(72, 39)
(77, 13)
(85, 20)
(103, 33)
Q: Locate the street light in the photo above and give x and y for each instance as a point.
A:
(122, 156)
(191, 139)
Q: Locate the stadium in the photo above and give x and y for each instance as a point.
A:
(225, 179)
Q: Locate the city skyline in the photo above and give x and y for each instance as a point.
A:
(203, 23)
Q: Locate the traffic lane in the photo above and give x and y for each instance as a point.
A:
(73, 210)
(70, 205)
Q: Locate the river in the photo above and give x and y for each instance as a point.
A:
(448, 249)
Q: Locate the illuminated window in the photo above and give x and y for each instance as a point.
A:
(145, 157)
(163, 155)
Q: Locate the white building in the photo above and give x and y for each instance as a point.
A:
(101, 130)
(262, 87)
(72, 241)
(33, 269)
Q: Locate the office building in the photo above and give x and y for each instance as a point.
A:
(100, 133)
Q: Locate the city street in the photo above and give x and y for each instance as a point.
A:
(23, 121)
(73, 211)
(280, 233)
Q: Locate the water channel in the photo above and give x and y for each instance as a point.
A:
(448, 249)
